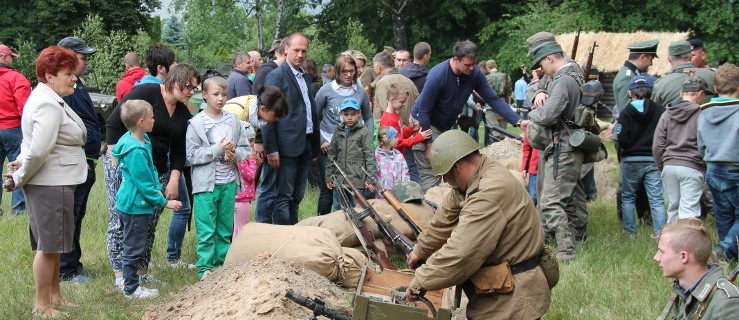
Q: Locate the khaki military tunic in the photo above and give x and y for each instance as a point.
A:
(667, 89)
(724, 303)
(493, 222)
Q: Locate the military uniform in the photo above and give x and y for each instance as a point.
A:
(490, 224)
(629, 70)
(723, 304)
(667, 89)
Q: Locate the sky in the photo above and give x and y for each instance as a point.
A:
(163, 12)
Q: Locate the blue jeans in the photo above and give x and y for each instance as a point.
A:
(266, 194)
(292, 176)
(70, 264)
(10, 146)
(633, 174)
(723, 180)
(531, 188)
(135, 230)
(178, 224)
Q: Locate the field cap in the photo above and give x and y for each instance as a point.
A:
(275, 45)
(694, 84)
(77, 45)
(349, 103)
(543, 50)
(645, 47)
(696, 44)
(6, 51)
(642, 81)
(538, 39)
(679, 47)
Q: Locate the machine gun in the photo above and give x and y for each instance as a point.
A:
(365, 237)
(506, 133)
(397, 206)
(589, 63)
(398, 240)
(318, 307)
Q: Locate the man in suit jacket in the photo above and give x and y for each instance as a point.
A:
(289, 143)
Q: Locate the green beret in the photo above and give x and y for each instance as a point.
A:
(645, 47)
(537, 39)
(543, 50)
(679, 47)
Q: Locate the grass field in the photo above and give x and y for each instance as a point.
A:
(612, 278)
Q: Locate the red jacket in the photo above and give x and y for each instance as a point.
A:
(127, 81)
(530, 161)
(14, 91)
(405, 137)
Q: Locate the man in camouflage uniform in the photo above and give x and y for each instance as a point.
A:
(700, 290)
(559, 187)
(483, 222)
(640, 59)
(501, 83)
(667, 89)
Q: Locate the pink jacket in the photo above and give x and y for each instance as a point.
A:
(248, 169)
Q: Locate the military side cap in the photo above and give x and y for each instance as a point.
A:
(544, 50)
(275, 45)
(694, 84)
(538, 39)
(642, 81)
(645, 47)
(679, 47)
(406, 191)
(696, 44)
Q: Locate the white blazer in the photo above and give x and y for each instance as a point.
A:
(53, 137)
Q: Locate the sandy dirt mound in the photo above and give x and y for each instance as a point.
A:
(506, 149)
(606, 177)
(254, 290)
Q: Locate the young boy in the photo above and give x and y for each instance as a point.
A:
(139, 194)
(396, 99)
(352, 148)
(675, 149)
(638, 120)
(216, 141)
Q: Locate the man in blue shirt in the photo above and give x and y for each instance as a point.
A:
(447, 87)
(519, 91)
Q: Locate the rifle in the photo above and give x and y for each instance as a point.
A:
(577, 42)
(397, 206)
(589, 64)
(507, 133)
(360, 229)
(398, 240)
(317, 305)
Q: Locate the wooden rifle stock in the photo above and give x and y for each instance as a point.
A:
(589, 64)
(397, 206)
(374, 253)
(399, 241)
(577, 42)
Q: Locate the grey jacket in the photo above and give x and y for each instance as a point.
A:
(718, 130)
(564, 96)
(201, 155)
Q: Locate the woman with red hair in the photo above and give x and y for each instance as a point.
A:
(50, 165)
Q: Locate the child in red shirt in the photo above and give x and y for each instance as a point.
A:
(407, 137)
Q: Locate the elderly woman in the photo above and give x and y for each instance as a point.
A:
(328, 101)
(171, 116)
(50, 165)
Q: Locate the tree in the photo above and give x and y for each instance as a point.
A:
(173, 33)
(399, 35)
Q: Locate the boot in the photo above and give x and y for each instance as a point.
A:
(565, 245)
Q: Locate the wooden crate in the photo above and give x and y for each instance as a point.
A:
(382, 283)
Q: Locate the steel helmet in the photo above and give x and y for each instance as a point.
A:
(406, 191)
(448, 148)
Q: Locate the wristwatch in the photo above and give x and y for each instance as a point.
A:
(518, 124)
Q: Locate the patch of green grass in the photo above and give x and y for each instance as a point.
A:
(612, 278)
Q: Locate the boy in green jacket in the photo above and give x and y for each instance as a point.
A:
(138, 194)
(352, 148)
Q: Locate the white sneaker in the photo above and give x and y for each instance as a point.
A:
(143, 293)
(179, 264)
(118, 286)
(205, 275)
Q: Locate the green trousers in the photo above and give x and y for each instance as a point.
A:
(558, 197)
(214, 222)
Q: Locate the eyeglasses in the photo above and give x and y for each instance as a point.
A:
(348, 72)
(189, 87)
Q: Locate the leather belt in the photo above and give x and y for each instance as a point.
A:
(525, 266)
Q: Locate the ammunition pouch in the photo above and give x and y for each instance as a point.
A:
(493, 280)
(549, 265)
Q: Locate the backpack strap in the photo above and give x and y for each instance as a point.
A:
(668, 307)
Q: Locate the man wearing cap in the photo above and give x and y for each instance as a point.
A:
(675, 150)
(559, 186)
(640, 59)
(698, 54)
(14, 91)
(486, 229)
(291, 143)
(71, 267)
(278, 52)
(448, 86)
(667, 88)
(501, 84)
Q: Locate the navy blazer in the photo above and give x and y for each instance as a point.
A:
(287, 136)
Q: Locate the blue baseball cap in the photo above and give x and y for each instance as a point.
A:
(349, 103)
(642, 81)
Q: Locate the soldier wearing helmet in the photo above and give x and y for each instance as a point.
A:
(486, 228)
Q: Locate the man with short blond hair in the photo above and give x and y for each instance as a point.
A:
(700, 289)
